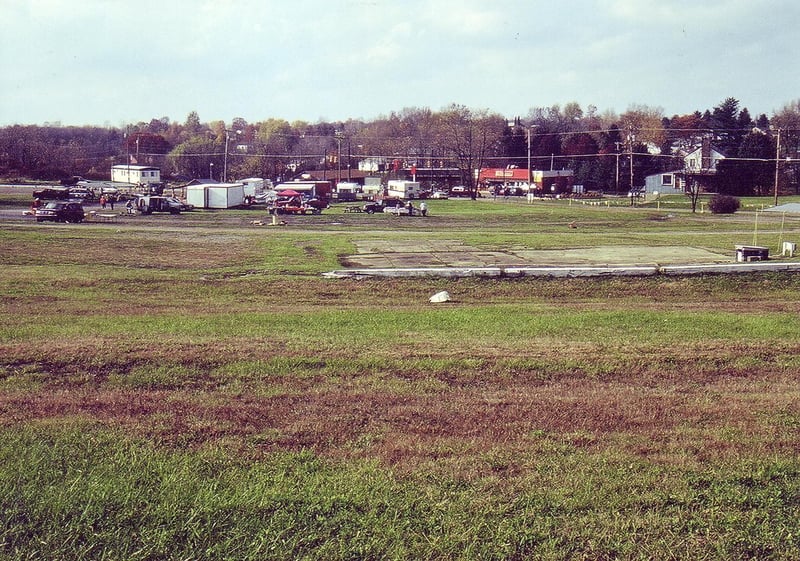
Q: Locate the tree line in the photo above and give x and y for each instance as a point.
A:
(607, 151)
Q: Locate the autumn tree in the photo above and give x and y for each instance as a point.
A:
(469, 137)
(644, 124)
(787, 120)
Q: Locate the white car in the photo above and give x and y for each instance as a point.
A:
(438, 195)
(396, 210)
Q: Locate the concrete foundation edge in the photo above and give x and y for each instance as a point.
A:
(565, 272)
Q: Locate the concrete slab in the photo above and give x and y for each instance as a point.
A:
(567, 272)
(384, 258)
(385, 254)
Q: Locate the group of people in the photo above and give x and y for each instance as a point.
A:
(423, 208)
(107, 200)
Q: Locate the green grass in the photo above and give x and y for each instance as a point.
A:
(84, 493)
(494, 325)
(196, 390)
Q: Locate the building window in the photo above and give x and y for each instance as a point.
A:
(666, 179)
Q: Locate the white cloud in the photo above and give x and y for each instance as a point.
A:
(351, 58)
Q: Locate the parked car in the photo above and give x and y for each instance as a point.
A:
(182, 205)
(73, 180)
(50, 193)
(60, 211)
(459, 191)
(439, 195)
(81, 193)
(148, 204)
(397, 210)
(110, 191)
(316, 203)
(380, 205)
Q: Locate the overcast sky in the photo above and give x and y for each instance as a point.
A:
(113, 62)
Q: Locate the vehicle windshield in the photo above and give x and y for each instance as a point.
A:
(54, 205)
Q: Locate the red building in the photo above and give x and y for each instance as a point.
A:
(552, 182)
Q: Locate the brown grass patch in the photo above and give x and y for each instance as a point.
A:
(663, 420)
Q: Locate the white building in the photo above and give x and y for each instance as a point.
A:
(137, 175)
(699, 170)
(215, 195)
(703, 159)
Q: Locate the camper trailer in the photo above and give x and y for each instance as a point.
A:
(403, 189)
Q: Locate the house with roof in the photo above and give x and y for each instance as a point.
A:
(699, 171)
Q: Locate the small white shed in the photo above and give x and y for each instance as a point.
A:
(216, 195)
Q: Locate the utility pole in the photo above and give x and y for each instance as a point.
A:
(529, 159)
(631, 192)
(128, 148)
(338, 135)
(630, 152)
(777, 164)
(349, 157)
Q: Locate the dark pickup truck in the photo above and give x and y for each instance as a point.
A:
(379, 204)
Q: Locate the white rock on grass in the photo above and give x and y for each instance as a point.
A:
(439, 297)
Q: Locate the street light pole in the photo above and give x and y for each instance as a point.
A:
(529, 130)
(225, 156)
(225, 160)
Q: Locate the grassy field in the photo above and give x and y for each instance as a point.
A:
(191, 388)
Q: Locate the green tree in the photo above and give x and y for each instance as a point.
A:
(751, 171)
(196, 158)
(726, 126)
(611, 145)
(585, 163)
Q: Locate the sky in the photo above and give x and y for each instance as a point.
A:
(117, 62)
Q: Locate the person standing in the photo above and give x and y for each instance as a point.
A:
(423, 208)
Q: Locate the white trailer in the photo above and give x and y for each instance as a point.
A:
(346, 191)
(196, 196)
(225, 195)
(403, 189)
(215, 195)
